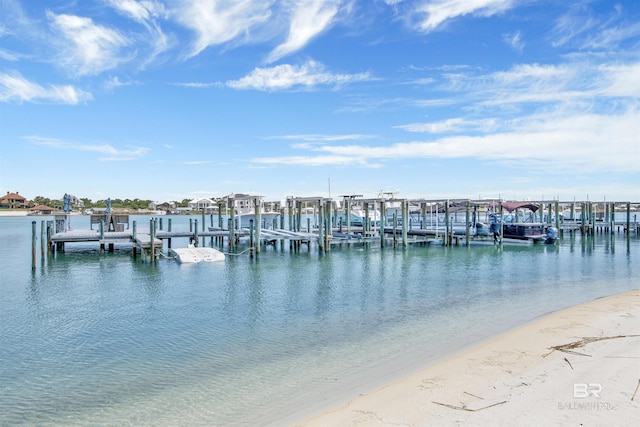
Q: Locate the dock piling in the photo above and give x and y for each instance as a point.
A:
(33, 246)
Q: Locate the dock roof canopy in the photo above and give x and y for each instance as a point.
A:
(512, 206)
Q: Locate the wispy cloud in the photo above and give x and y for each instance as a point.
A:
(198, 162)
(15, 88)
(586, 29)
(454, 125)
(216, 22)
(555, 83)
(107, 151)
(115, 82)
(434, 13)
(199, 85)
(147, 13)
(574, 141)
(514, 40)
(323, 138)
(282, 77)
(308, 19)
(87, 48)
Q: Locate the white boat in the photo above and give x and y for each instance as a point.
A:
(194, 254)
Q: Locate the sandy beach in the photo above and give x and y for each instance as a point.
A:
(578, 366)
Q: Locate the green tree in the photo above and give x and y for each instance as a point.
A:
(39, 200)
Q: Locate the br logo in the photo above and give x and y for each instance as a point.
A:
(582, 390)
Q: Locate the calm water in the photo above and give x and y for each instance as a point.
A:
(98, 339)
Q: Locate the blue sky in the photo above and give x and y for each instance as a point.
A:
(175, 99)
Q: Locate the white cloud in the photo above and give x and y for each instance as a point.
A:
(15, 88)
(199, 85)
(141, 11)
(323, 138)
(563, 144)
(216, 21)
(146, 13)
(108, 152)
(439, 11)
(587, 29)
(282, 77)
(514, 40)
(114, 82)
(457, 124)
(308, 20)
(560, 83)
(88, 48)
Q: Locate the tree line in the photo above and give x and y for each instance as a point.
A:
(115, 203)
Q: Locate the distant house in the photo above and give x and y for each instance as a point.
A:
(201, 203)
(75, 201)
(42, 210)
(162, 206)
(13, 201)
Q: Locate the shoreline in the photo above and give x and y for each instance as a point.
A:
(517, 375)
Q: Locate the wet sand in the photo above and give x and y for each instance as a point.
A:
(577, 366)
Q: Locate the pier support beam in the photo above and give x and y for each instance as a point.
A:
(33, 246)
(405, 222)
(383, 220)
(467, 229)
(628, 218)
(258, 224)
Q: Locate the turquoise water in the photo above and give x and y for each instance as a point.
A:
(100, 339)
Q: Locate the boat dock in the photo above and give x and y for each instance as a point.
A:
(321, 223)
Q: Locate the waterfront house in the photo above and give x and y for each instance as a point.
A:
(13, 201)
(41, 210)
(198, 204)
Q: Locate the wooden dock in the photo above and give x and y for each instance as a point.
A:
(411, 223)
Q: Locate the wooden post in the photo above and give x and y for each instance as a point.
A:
(258, 224)
(468, 224)
(203, 223)
(395, 226)
(628, 218)
(557, 208)
(231, 233)
(365, 220)
(133, 237)
(232, 217)
(251, 240)
(405, 221)
(383, 221)
(42, 240)
(501, 223)
(446, 227)
(196, 239)
(320, 229)
(152, 235)
(33, 246)
(101, 236)
(290, 213)
(169, 230)
(347, 203)
(281, 219)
